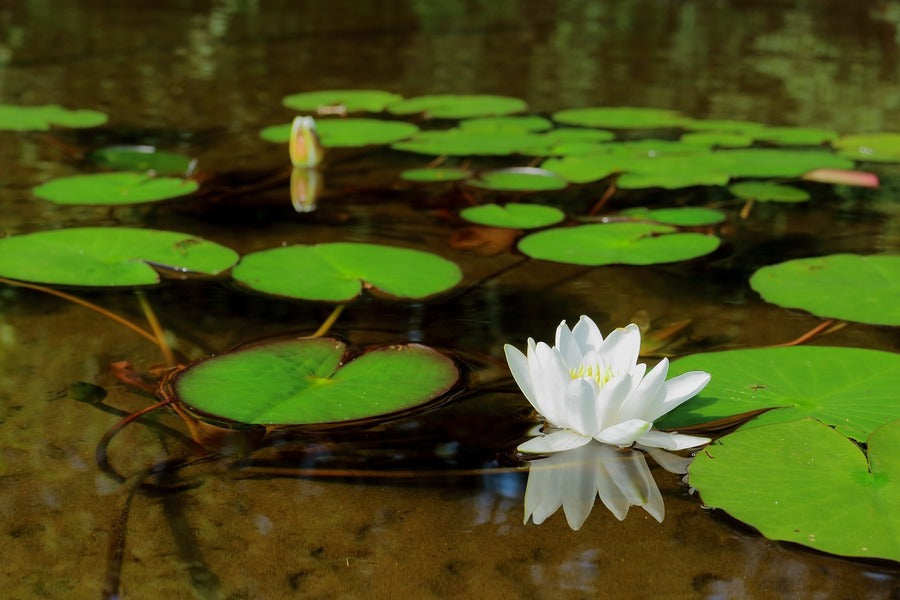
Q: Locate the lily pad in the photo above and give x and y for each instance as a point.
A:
(804, 482)
(143, 158)
(349, 100)
(459, 106)
(114, 188)
(523, 123)
(108, 256)
(872, 147)
(619, 117)
(513, 215)
(686, 216)
(773, 162)
(795, 136)
(585, 168)
(350, 133)
(852, 389)
(722, 139)
(337, 272)
(460, 142)
(852, 287)
(617, 243)
(734, 126)
(306, 381)
(519, 179)
(435, 174)
(765, 191)
(40, 118)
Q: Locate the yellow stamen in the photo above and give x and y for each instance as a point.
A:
(595, 372)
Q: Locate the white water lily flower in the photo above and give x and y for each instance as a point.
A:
(588, 387)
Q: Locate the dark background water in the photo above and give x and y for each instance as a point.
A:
(202, 78)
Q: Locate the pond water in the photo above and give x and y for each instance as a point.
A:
(203, 78)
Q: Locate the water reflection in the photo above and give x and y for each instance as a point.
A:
(574, 478)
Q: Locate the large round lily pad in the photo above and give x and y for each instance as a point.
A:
(619, 117)
(804, 482)
(349, 100)
(350, 133)
(114, 189)
(40, 118)
(852, 389)
(852, 287)
(617, 243)
(337, 272)
(108, 256)
(305, 381)
(459, 106)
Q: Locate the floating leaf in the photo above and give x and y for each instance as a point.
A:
(766, 162)
(435, 174)
(619, 117)
(40, 118)
(108, 256)
(872, 147)
(795, 136)
(143, 158)
(348, 100)
(585, 168)
(458, 142)
(746, 128)
(526, 123)
(519, 179)
(673, 172)
(114, 188)
(840, 286)
(459, 106)
(765, 191)
(617, 243)
(722, 139)
(852, 389)
(334, 133)
(513, 215)
(336, 272)
(686, 216)
(304, 381)
(804, 482)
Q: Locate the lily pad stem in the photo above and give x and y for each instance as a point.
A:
(745, 210)
(813, 333)
(329, 321)
(158, 334)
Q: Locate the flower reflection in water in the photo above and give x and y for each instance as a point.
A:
(574, 478)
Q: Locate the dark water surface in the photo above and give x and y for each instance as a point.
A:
(202, 78)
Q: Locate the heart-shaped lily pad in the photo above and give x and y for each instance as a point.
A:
(434, 174)
(143, 158)
(804, 482)
(303, 382)
(874, 147)
(349, 100)
(349, 133)
(337, 272)
(465, 142)
(617, 243)
(619, 117)
(108, 256)
(459, 106)
(852, 287)
(513, 215)
(519, 179)
(114, 189)
(766, 191)
(853, 389)
(40, 118)
(683, 216)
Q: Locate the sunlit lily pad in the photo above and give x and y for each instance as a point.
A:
(686, 216)
(873, 147)
(852, 389)
(460, 142)
(519, 179)
(40, 118)
(349, 133)
(746, 128)
(795, 136)
(142, 158)
(619, 117)
(337, 272)
(459, 106)
(776, 162)
(841, 286)
(435, 174)
(500, 124)
(108, 256)
(586, 168)
(804, 482)
(617, 243)
(348, 100)
(114, 188)
(307, 381)
(513, 215)
(673, 172)
(766, 191)
(722, 139)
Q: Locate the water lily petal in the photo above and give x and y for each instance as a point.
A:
(650, 393)
(625, 433)
(556, 441)
(610, 399)
(678, 390)
(610, 494)
(621, 348)
(579, 485)
(549, 377)
(568, 347)
(518, 366)
(672, 463)
(587, 334)
(579, 407)
(671, 441)
(632, 476)
(543, 492)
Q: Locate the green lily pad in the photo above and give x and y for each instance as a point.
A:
(795, 136)
(459, 106)
(746, 128)
(337, 272)
(619, 117)
(350, 100)
(872, 147)
(305, 381)
(519, 179)
(804, 482)
(766, 191)
(460, 142)
(617, 243)
(722, 139)
(525, 123)
(771, 162)
(851, 287)
(686, 216)
(585, 168)
(672, 172)
(513, 215)
(108, 256)
(114, 188)
(435, 174)
(40, 118)
(350, 133)
(852, 389)
(143, 158)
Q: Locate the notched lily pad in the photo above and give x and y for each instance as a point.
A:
(513, 215)
(874, 147)
(685, 216)
(519, 179)
(40, 118)
(325, 101)
(308, 381)
(619, 117)
(143, 158)
(349, 133)
(114, 189)
(337, 272)
(765, 191)
(108, 256)
(459, 106)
